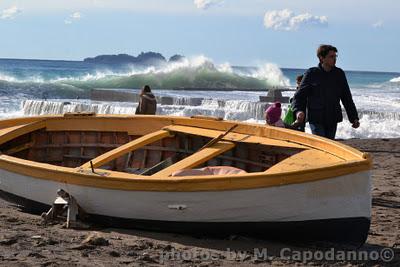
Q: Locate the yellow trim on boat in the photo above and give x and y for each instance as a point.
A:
(125, 181)
(7, 123)
(15, 131)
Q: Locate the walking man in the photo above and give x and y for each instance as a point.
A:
(320, 93)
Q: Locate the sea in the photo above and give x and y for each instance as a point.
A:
(193, 86)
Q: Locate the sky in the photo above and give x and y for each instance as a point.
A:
(238, 32)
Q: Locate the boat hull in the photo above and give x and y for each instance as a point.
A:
(335, 210)
(349, 231)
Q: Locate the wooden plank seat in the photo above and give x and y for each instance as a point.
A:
(128, 147)
(197, 158)
(304, 160)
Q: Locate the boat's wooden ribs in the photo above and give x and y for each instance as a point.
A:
(226, 158)
(62, 148)
(251, 157)
(84, 145)
(196, 159)
(128, 147)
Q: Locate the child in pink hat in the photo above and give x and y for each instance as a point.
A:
(273, 115)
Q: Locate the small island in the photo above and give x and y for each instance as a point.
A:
(143, 59)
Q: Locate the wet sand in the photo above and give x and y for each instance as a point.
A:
(26, 241)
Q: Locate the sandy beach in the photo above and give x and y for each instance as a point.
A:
(26, 241)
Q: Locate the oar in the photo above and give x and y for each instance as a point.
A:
(219, 137)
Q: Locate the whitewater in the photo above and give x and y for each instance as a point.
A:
(193, 86)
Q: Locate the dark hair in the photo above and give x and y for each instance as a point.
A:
(323, 50)
(145, 89)
(299, 78)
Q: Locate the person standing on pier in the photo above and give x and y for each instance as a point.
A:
(147, 102)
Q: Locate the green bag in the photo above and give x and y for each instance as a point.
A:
(289, 116)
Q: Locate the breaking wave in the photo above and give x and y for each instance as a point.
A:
(195, 73)
(395, 80)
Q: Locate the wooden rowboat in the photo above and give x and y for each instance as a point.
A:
(133, 171)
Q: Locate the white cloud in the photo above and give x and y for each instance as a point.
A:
(10, 13)
(73, 17)
(286, 20)
(76, 15)
(205, 4)
(378, 24)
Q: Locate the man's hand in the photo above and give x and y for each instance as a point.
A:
(299, 120)
(355, 124)
(300, 117)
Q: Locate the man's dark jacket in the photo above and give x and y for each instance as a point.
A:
(321, 92)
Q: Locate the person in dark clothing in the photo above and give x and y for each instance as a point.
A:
(321, 90)
(296, 125)
(147, 102)
(299, 78)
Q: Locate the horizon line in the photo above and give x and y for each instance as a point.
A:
(292, 68)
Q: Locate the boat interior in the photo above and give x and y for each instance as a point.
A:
(159, 149)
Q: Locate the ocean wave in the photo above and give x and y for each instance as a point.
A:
(272, 74)
(395, 80)
(371, 126)
(200, 78)
(26, 90)
(10, 78)
(196, 72)
(7, 78)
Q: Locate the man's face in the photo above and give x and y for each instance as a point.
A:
(330, 59)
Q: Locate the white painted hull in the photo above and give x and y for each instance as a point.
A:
(345, 196)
